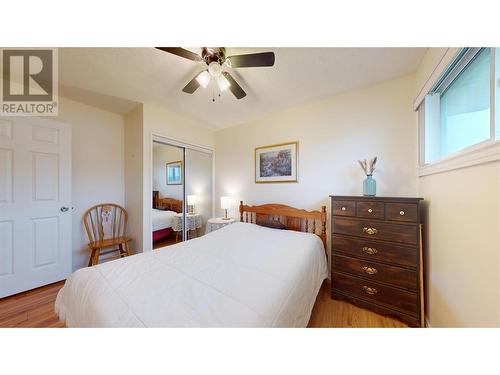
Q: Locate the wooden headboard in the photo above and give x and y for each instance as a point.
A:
(294, 218)
(170, 204)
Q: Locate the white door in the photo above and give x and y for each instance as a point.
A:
(35, 203)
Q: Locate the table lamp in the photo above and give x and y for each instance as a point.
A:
(225, 204)
(191, 201)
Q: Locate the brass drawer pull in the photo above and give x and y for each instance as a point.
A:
(343, 208)
(370, 270)
(370, 250)
(370, 231)
(370, 210)
(369, 290)
(401, 213)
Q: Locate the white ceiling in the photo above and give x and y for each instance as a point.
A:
(118, 79)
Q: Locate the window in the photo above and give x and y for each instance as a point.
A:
(457, 113)
(465, 107)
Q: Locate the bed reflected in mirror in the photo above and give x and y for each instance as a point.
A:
(182, 182)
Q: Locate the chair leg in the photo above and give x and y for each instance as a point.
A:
(91, 258)
(120, 249)
(127, 249)
(96, 256)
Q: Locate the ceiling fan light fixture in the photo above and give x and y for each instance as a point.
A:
(223, 83)
(214, 69)
(203, 79)
(216, 62)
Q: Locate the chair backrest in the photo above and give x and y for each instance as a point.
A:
(106, 220)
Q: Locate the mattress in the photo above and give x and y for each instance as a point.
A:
(242, 275)
(162, 219)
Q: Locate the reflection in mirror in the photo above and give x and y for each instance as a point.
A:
(174, 173)
(198, 191)
(168, 190)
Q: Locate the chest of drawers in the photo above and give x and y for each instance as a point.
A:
(377, 255)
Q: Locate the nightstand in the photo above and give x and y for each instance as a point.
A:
(217, 223)
(193, 223)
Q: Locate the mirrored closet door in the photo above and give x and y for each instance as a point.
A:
(182, 192)
(199, 192)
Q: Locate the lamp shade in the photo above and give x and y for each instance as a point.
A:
(223, 82)
(203, 79)
(225, 203)
(192, 200)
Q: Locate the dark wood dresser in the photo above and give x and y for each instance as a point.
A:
(377, 255)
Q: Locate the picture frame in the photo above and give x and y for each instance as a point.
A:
(173, 173)
(277, 163)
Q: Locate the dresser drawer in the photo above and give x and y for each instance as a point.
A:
(392, 297)
(401, 212)
(344, 208)
(372, 210)
(377, 251)
(396, 276)
(376, 230)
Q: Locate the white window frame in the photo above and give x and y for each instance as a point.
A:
(483, 152)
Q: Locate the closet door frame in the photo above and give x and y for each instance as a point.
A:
(158, 138)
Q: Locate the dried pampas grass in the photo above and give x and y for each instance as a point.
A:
(368, 167)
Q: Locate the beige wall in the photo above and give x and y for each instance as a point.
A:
(97, 163)
(332, 135)
(134, 175)
(463, 239)
(463, 246)
(159, 121)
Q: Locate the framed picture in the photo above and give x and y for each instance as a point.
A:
(174, 173)
(276, 163)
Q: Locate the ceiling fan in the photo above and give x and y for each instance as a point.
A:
(216, 60)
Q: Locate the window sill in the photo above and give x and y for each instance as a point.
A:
(485, 154)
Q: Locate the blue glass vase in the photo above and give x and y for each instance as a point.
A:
(369, 186)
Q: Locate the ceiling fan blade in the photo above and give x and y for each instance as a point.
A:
(192, 86)
(181, 52)
(252, 60)
(235, 88)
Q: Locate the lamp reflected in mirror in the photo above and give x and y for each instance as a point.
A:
(192, 200)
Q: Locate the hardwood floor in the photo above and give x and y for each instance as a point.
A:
(329, 313)
(167, 241)
(171, 238)
(35, 308)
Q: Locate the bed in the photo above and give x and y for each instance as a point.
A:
(163, 212)
(242, 275)
(161, 223)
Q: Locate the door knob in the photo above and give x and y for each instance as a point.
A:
(64, 209)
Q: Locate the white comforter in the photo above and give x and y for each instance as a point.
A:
(241, 275)
(162, 219)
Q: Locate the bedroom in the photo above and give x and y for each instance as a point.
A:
(222, 186)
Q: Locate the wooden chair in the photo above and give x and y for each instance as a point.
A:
(106, 228)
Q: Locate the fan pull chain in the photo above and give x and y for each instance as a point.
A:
(214, 87)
